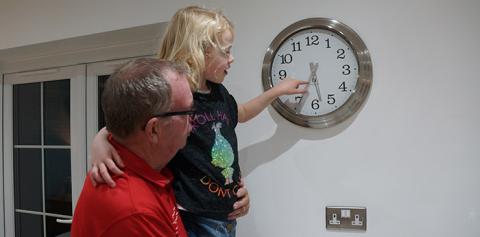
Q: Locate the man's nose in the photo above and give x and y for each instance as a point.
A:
(189, 127)
(189, 122)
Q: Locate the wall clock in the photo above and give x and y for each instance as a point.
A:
(332, 58)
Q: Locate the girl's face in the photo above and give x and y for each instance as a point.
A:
(218, 61)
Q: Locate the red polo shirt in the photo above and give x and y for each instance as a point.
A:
(141, 204)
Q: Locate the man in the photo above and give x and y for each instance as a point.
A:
(147, 104)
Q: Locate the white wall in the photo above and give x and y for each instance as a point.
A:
(411, 154)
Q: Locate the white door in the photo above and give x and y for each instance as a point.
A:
(44, 149)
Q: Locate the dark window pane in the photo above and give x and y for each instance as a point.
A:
(56, 107)
(101, 84)
(26, 114)
(58, 183)
(55, 229)
(27, 171)
(28, 225)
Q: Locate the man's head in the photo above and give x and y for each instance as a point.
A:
(139, 100)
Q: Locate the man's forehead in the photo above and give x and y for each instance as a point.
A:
(179, 84)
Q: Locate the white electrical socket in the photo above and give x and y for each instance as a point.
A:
(357, 220)
(334, 220)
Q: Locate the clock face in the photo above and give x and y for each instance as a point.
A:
(326, 61)
(334, 61)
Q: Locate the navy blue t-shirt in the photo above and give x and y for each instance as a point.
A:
(207, 173)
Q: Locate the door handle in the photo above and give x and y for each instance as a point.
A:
(64, 221)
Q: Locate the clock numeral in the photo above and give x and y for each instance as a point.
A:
(286, 58)
(296, 46)
(298, 98)
(342, 87)
(331, 99)
(312, 40)
(282, 74)
(346, 69)
(328, 43)
(341, 54)
(315, 104)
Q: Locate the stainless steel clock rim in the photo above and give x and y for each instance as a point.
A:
(364, 81)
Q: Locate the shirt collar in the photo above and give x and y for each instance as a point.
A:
(136, 164)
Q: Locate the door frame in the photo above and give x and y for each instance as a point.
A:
(2, 214)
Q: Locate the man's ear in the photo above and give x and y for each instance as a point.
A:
(152, 130)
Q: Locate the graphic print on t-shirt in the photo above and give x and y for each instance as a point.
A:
(222, 154)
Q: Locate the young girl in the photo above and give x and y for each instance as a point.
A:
(206, 170)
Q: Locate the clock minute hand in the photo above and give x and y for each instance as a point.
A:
(300, 103)
(310, 80)
(317, 88)
(313, 71)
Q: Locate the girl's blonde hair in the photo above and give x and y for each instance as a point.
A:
(191, 31)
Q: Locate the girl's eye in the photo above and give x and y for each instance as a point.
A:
(226, 51)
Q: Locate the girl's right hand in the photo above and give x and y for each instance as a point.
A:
(104, 159)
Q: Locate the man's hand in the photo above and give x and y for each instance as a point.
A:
(104, 159)
(242, 205)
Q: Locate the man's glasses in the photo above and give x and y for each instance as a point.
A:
(190, 112)
(168, 114)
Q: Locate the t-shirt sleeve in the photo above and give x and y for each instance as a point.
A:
(140, 225)
(234, 108)
(232, 104)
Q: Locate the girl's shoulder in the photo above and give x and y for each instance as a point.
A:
(220, 88)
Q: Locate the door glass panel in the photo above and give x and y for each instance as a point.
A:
(42, 170)
(26, 105)
(58, 185)
(56, 104)
(55, 229)
(27, 225)
(27, 173)
(101, 84)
